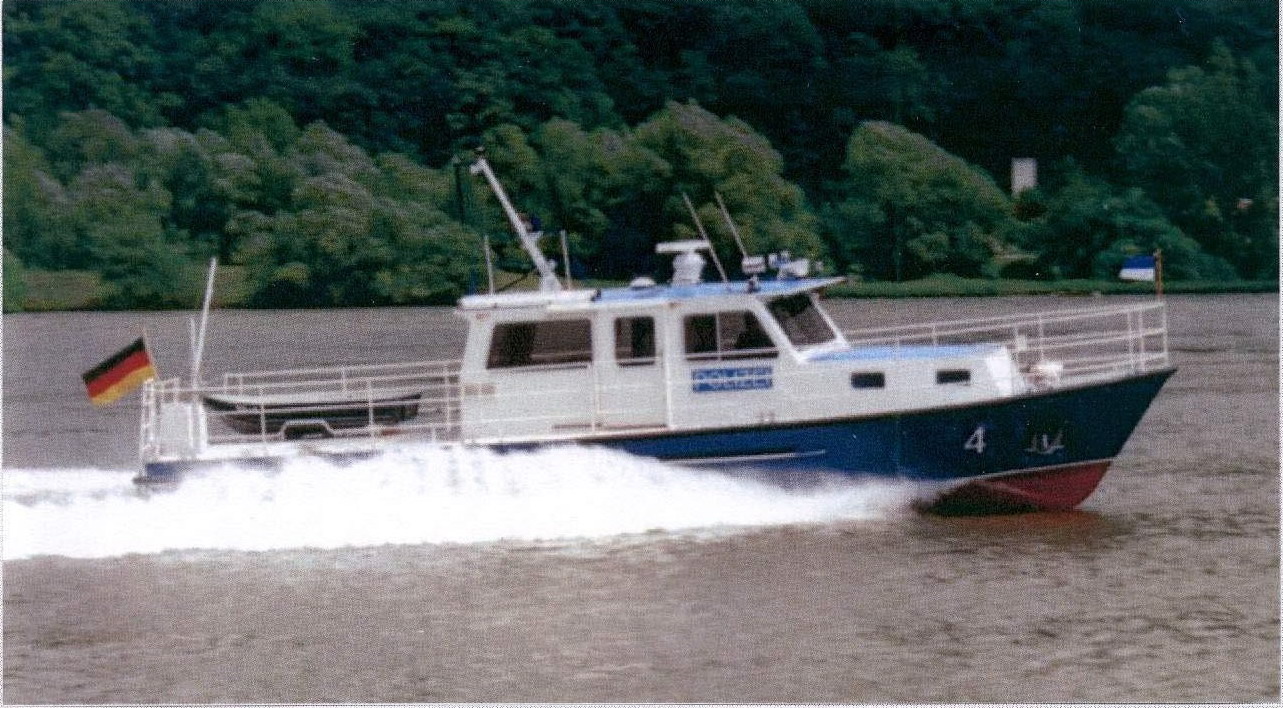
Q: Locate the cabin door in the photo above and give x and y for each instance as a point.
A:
(630, 377)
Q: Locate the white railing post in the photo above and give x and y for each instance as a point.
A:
(191, 427)
(262, 418)
(595, 399)
(1131, 341)
(1140, 315)
(143, 421)
(1041, 337)
(1162, 309)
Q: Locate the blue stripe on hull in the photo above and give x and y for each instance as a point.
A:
(1036, 431)
(1027, 432)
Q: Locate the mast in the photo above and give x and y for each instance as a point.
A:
(529, 241)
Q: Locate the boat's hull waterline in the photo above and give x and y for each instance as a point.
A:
(1040, 451)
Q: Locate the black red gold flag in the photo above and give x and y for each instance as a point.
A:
(119, 374)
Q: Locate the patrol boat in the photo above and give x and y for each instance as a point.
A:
(750, 376)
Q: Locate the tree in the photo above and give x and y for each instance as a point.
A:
(321, 252)
(908, 208)
(436, 257)
(70, 56)
(300, 55)
(1088, 227)
(759, 60)
(894, 83)
(184, 166)
(560, 174)
(354, 232)
(690, 150)
(204, 102)
(618, 193)
(1204, 146)
(36, 227)
(91, 137)
(142, 266)
(246, 167)
(408, 73)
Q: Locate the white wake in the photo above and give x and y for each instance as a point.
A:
(408, 496)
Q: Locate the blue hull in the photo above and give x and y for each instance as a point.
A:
(1041, 450)
(1033, 431)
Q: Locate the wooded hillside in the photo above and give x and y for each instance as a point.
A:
(312, 141)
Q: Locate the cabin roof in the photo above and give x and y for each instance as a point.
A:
(657, 293)
(765, 288)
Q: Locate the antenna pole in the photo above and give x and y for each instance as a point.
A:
(204, 322)
(712, 251)
(565, 256)
(731, 223)
(489, 262)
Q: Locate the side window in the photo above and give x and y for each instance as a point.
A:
(701, 337)
(545, 343)
(635, 341)
(951, 376)
(727, 335)
(868, 379)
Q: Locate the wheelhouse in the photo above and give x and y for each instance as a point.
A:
(690, 357)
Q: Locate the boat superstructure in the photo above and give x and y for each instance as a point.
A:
(1008, 412)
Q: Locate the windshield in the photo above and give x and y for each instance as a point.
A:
(801, 320)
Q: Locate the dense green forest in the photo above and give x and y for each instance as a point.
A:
(318, 144)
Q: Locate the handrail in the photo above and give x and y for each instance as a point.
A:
(983, 323)
(1131, 328)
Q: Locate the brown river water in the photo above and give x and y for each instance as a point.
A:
(576, 575)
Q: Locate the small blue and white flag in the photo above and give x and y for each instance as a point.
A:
(1137, 268)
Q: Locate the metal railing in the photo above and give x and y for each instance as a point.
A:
(426, 400)
(341, 379)
(1086, 343)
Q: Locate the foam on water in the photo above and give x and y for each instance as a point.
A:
(408, 496)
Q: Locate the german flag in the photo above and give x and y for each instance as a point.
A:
(120, 374)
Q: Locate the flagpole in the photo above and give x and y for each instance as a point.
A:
(142, 409)
(204, 321)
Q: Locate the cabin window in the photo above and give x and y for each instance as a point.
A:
(544, 343)
(868, 379)
(801, 320)
(635, 341)
(953, 376)
(727, 335)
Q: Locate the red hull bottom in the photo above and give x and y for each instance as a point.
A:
(1046, 489)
